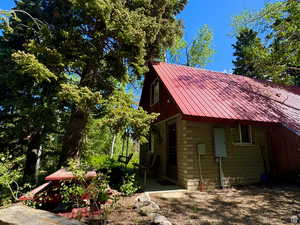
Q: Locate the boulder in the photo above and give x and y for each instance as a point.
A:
(160, 220)
(143, 197)
(294, 219)
(23, 215)
(148, 208)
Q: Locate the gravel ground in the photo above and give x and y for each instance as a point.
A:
(249, 205)
(125, 214)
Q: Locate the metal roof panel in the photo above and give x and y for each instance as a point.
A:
(204, 93)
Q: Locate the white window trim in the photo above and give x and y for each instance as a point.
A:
(152, 93)
(250, 134)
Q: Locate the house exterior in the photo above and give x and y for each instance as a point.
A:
(220, 129)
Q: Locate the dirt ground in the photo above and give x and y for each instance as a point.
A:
(249, 205)
(125, 214)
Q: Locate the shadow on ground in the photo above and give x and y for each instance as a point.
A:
(251, 205)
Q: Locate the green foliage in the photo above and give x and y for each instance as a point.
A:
(10, 174)
(102, 161)
(82, 97)
(60, 59)
(176, 50)
(96, 189)
(200, 51)
(130, 185)
(197, 53)
(61, 64)
(244, 62)
(121, 115)
(120, 177)
(277, 58)
(260, 21)
(30, 66)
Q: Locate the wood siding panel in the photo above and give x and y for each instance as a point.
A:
(166, 106)
(285, 151)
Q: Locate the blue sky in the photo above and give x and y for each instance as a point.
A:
(217, 14)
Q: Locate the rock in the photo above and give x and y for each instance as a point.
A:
(22, 215)
(143, 197)
(146, 207)
(161, 220)
(141, 204)
(294, 219)
(141, 201)
(153, 215)
(149, 208)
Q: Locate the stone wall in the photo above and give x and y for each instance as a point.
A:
(244, 163)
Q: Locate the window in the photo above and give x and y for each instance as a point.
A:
(154, 95)
(245, 132)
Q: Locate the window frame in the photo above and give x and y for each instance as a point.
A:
(152, 92)
(250, 135)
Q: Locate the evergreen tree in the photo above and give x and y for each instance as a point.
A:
(245, 63)
(64, 57)
(278, 25)
(28, 107)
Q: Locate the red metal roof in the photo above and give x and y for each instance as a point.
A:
(207, 94)
(63, 174)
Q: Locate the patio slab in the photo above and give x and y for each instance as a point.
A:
(161, 188)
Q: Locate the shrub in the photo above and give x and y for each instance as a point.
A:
(10, 173)
(121, 178)
(130, 185)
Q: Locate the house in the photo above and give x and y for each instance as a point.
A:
(220, 129)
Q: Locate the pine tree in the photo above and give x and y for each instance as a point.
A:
(83, 50)
(244, 62)
(278, 25)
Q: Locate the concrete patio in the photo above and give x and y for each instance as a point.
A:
(155, 186)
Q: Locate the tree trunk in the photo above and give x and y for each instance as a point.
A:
(74, 136)
(38, 162)
(31, 154)
(112, 146)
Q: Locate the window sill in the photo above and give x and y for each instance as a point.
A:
(244, 144)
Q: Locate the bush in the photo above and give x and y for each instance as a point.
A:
(100, 162)
(121, 178)
(10, 174)
(130, 185)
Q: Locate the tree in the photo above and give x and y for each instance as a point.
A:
(278, 24)
(122, 116)
(28, 108)
(197, 53)
(77, 54)
(245, 63)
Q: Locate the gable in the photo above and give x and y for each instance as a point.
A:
(166, 105)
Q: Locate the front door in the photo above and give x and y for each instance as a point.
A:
(171, 152)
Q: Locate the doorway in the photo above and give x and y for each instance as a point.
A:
(171, 151)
